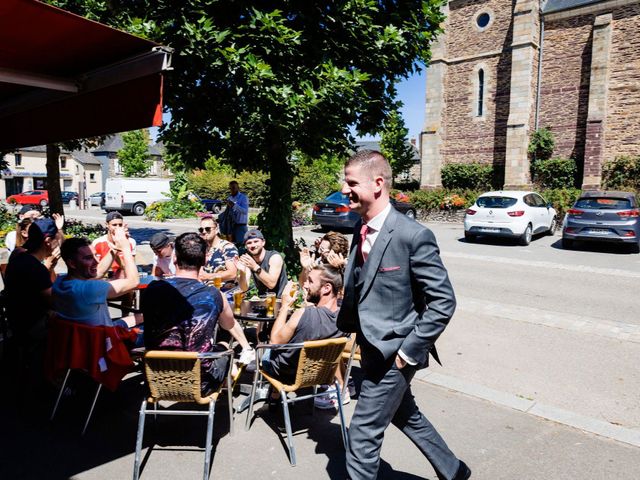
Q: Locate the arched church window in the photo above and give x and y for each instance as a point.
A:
(480, 107)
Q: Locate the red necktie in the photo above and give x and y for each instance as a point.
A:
(362, 256)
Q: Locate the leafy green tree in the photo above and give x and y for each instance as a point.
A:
(394, 144)
(254, 82)
(134, 155)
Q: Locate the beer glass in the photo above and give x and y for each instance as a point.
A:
(270, 303)
(237, 302)
(217, 281)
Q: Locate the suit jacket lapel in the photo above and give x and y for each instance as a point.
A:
(348, 274)
(370, 267)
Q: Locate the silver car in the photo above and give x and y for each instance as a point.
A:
(603, 217)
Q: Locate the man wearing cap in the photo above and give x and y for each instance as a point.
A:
(162, 248)
(28, 285)
(266, 266)
(101, 246)
(238, 205)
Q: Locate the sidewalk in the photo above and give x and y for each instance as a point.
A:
(497, 443)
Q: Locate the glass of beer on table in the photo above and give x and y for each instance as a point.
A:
(237, 301)
(270, 303)
(217, 281)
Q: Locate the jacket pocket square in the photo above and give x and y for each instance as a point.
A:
(388, 269)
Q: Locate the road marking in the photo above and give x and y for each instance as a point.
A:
(543, 264)
(619, 330)
(531, 407)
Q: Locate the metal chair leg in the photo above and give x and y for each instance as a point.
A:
(287, 425)
(313, 400)
(207, 458)
(230, 399)
(92, 407)
(252, 399)
(64, 384)
(139, 437)
(343, 428)
(348, 371)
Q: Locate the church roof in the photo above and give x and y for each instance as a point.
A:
(552, 6)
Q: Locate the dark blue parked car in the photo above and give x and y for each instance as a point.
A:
(333, 211)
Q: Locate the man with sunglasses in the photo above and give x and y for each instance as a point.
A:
(220, 256)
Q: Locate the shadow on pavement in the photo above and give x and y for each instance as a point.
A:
(596, 247)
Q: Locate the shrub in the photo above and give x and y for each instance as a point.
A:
(467, 176)
(555, 173)
(443, 199)
(561, 198)
(312, 182)
(541, 144)
(215, 184)
(174, 208)
(623, 173)
(75, 228)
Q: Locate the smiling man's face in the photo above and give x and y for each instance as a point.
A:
(360, 187)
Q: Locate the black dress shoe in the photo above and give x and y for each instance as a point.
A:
(463, 472)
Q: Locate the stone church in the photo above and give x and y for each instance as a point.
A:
(503, 68)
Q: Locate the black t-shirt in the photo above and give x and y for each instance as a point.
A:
(25, 280)
(282, 279)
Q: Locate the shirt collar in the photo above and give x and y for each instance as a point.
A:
(376, 222)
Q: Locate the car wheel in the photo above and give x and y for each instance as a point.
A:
(411, 214)
(567, 244)
(138, 208)
(43, 203)
(469, 237)
(553, 227)
(635, 248)
(525, 239)
(216, 209)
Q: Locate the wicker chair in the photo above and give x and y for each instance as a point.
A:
(175, 376)
(351, 353)
(319, 360)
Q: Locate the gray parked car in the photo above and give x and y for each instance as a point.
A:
(603, 217)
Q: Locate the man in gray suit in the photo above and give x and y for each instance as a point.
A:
(398, 299)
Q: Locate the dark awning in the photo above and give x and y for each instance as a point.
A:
(64, 77)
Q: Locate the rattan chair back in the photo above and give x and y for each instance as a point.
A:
(318, 362)
(174, 376)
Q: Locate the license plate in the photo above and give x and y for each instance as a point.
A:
(327, 210)
(490, 230)
(598, 231)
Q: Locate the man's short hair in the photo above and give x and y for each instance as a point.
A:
(330, 275)
(373, 162)
(233, 182)
(114, 216)
(191, 251)
(337, 242)
(70, 247)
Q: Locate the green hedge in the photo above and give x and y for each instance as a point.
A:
(212, 184)
(623, 173)
(554, 173)
(467, 176)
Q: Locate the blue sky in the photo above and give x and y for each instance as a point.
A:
(410, 91)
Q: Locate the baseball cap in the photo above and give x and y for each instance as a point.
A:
(253, 233)
(28, 208)
(159, 240)
(38, 231)
(114, 216)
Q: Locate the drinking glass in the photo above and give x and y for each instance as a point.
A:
(237, 302)
(217, 281)
(270, 303)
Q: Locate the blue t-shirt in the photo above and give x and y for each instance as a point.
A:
(83, 301)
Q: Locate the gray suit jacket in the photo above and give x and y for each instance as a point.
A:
(403, 298)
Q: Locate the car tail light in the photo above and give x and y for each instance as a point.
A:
(316, 208)
(629, 233)
(471, 211)
(629, 214)
(570, 230)
(517, 213)
(573, 211)
(342, 209)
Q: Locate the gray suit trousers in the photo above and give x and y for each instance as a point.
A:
(384, 400)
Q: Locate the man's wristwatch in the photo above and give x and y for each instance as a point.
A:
(257, 270)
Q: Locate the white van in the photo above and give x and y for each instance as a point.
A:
(135, 194)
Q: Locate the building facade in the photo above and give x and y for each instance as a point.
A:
(503, 68)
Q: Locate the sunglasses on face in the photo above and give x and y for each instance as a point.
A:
(205, 229)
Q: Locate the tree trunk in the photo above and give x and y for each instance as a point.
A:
(53, 179)
(275, 219)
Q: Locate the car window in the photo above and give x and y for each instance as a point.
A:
(336, 197)
(539, 201)
(496, 202)
(529, 200)
(595, 203)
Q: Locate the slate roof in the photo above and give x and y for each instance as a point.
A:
(552, 6)
(86, 158)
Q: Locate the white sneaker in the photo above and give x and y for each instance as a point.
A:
(330, 400)
(351, 387)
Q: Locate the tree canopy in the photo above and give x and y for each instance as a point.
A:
(394, 143)
(134, 155)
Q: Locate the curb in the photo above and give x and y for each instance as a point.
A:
(531, 407)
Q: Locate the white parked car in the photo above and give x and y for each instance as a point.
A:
(510, 214)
